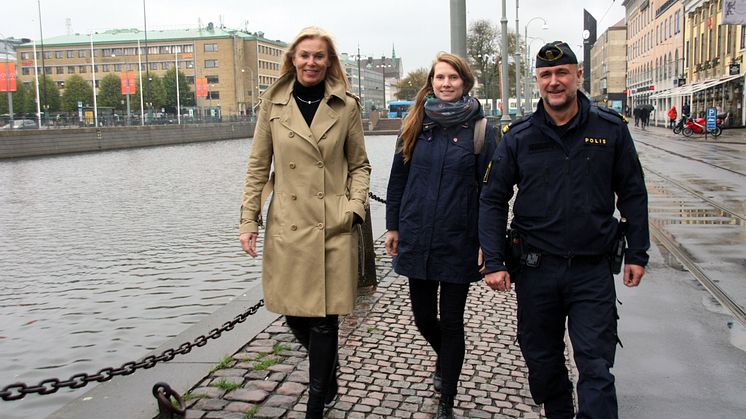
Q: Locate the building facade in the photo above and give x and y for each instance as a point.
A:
(237, 65)
(609, 68)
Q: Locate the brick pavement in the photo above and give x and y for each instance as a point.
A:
(386, 366)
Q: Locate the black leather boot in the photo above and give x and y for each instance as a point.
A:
(437, 378)
(322, 357)
(445, 407)
(333, 388)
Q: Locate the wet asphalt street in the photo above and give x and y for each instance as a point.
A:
(684, 352)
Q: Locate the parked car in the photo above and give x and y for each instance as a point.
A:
(21, 124)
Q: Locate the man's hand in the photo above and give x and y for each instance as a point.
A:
(498, 281)
(633, 274)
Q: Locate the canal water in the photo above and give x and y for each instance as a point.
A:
(104, 256)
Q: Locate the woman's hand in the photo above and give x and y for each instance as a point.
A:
(392, 242)
(248, 243)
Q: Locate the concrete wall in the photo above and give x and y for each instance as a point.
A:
(26, 143)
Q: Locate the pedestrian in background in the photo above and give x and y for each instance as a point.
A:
(672, 114)
(432, 209)
(311, 127)
(569, 160)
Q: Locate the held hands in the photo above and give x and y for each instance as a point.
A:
(392, 242)
(498, 281)
(248, 243)
(633, 274)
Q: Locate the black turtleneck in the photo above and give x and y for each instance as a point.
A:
(308, 99)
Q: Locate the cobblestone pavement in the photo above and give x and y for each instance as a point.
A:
(385, 365)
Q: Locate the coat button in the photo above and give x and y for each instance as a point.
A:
(291, 134)
(320, 226)
(320, 163)
(320, 195)
(292, 165)
(293, 227)
(293, 197)
(455, 139)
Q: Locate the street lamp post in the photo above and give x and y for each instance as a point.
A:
(504, 118)
(527, 95)
(383, 66)
(517, 60)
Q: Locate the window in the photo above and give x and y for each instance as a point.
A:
(25, 71)
(25, 55)
(58, 54)
(166, 65)
(188, 48)
(213, 79)
(743, 37)
(154, 66)
(211, 63)
(211, 47)
(47, 54)
(190, 64)
(190, 79)
(82, 69)
(213, 95)
(719, 40)
(105, 68)
(165, 49)
(117, 67)
(59, 70)
(106, 52)
(81, 53)
(71, 69)
(130, 51)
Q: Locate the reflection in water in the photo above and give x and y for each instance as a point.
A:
(106, 255)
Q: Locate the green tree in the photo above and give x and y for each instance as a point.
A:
(20, 99)
(410, 85)
(110, 92)
(154, 94)
(186, 97)
(52, 102)
(77, 90)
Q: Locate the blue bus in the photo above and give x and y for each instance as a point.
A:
(399, 108)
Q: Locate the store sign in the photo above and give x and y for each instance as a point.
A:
(734, 69)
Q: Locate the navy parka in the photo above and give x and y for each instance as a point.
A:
(433, 202)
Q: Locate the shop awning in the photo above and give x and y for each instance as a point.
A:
(689, 89)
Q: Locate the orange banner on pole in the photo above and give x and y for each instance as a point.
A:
(201, 87)
(128, 82)
(7, 77)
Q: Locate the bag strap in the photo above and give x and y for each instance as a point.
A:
(479, 132)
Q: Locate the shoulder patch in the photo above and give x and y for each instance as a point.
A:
(517, 125)
(611, 115)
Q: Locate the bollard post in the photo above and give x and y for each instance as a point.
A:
(366, 267)
(170, 404)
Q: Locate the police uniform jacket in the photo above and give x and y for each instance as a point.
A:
(433, 199)
(322, 175)
(566, 187)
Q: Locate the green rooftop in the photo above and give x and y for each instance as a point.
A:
(118, 36)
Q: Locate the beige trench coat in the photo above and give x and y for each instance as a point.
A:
(322, 176)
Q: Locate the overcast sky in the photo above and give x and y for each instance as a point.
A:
(418, 29)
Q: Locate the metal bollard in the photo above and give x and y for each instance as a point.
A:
(366, 267)
(166, 409)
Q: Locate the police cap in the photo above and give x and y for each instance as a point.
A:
(555, 53)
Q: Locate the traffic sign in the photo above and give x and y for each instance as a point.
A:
(712, 116)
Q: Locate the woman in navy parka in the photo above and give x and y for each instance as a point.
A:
(432, 210)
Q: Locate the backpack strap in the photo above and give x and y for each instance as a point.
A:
(479, 132)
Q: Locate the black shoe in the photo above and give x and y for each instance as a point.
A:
(445, 407)
(437, 379)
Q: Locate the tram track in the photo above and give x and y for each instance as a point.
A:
(684, 156)
(684, 257)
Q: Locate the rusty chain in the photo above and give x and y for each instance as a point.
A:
(18, 391)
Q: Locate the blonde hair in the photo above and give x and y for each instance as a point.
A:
(413, 122)
(335, 70)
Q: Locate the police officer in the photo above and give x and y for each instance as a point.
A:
(569, 159)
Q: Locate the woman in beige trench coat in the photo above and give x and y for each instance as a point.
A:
(311, 126)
